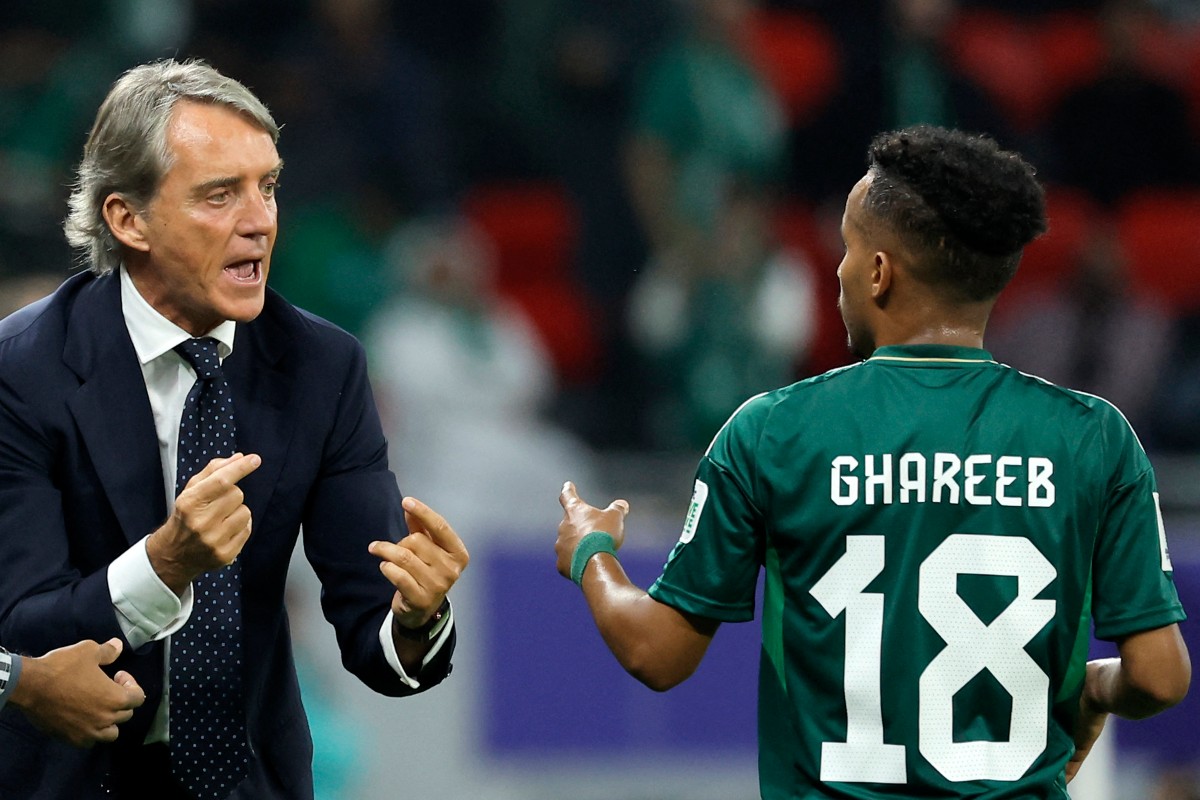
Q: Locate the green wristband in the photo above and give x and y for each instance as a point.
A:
(590, 545)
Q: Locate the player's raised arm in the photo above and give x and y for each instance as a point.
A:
(657, 644)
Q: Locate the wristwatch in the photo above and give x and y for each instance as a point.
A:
(430, 630)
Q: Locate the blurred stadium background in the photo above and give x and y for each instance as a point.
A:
(575, 234)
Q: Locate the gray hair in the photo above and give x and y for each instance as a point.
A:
(127, 151)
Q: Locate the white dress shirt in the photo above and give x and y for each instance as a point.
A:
(147, 609)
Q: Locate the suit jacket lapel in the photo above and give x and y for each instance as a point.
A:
(262, 390)
(112, 409)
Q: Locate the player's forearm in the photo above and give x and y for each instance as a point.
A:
(653, 642)
(1113, 688)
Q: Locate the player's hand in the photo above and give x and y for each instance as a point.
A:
(423, 565)
(209, 526)
(1089, 725)
(66, 694)
(580, 519)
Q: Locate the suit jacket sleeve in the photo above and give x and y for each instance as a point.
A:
(49, 595)
(354, 501)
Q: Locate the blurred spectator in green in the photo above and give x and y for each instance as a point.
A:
(716, 331)
(718, 313)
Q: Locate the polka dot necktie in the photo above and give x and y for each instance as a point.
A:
(209, 750)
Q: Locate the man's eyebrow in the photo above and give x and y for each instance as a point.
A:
(215, 183)
(232, 180)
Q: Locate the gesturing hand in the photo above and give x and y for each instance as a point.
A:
(580, 519)
(423, 565)
(209, 526)
(66, 694)
(1088, 726)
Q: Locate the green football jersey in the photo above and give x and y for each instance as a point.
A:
(938, 530)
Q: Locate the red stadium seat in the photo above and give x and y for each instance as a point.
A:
(798, 55)
(1072, 216)
(1071, 52)
(566, 321)
(797, 227)
(1000, 52)
(534, 227)
(1160, 232)
(1050, 260)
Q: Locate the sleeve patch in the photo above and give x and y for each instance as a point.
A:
(699, 498)
(1162, 536)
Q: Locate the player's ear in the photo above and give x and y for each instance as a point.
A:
(881, 276)
(126, 224)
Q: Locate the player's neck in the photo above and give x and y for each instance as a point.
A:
(948, 336)
(944, 332)
(929, 322)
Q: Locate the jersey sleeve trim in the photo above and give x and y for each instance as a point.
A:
(1145, 621)
(701, 607)
(732, 416)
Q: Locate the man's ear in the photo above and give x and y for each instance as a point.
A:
(881, 277)
(126, 224)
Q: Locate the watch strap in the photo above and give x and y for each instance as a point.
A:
(430, 630)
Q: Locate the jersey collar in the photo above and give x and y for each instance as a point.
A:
(931, 354)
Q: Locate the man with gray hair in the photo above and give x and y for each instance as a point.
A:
(168, 382)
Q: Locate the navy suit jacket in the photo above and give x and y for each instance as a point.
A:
(81, 481)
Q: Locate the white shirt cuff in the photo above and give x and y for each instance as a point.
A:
(147, 610)
(393, 659)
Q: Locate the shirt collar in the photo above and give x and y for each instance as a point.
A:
(931, 354)
(153, 334)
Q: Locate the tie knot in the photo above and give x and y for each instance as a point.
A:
(202, 355)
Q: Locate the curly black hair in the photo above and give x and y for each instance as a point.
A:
(965, 207)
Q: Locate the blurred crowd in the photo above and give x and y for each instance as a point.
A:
(602, 224)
